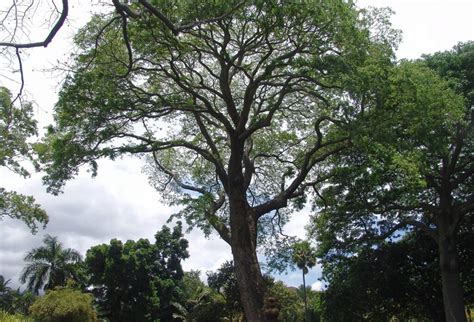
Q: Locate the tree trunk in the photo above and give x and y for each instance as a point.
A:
(243, 227)
(247, 268)
(305, 299)
(451, 282)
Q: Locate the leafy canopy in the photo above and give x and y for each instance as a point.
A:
(16, 127)
(388, 179)
(138, 280)
(244, 100)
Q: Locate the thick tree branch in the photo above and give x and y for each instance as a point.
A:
(403, 224)
(176, 178)
(56, 27)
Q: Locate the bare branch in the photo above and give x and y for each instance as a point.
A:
(54, 30)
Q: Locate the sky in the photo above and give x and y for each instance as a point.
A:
(119, 203)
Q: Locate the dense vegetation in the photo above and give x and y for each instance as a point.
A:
(246, 111)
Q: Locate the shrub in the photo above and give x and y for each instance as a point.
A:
(7, 317)
(64, 305)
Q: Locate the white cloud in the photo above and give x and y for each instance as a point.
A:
(317, 286)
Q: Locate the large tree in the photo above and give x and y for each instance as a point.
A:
(231, 109)
(138, 281)
(50, 265)
(410, 166)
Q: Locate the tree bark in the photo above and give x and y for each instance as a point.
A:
(247, 268)
(243, 227)
(451, 282)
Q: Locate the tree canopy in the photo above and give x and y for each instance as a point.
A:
(138, 281)
(231, 109)
(410, 165)
(16, 127)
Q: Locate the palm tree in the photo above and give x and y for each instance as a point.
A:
(304, 257)
(4, 285)
(50, 265)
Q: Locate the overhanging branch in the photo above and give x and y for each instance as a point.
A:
(56, 27)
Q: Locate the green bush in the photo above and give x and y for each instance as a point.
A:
(64, 305)
(7, 317)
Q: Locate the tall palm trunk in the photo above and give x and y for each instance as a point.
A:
(304, 297)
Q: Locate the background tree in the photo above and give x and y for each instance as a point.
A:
(304, 256)
(393, 279)
(224, 282)
(199, 302)
(14, 301)
(138, 281)
(410, 165)
(16, 127)
(5, 294)
(49, 266)
(226, 93)
(291, 305)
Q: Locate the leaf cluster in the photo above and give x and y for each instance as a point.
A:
(17, 126)
(138, 280)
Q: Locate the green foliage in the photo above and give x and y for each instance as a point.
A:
(398, 149)
(50, 266)
(8, 317)
(21, 207)
(304, 256)
(14, 301)
(393, 279)
(283, 72)
(64, 304)
(457, 66)
(16, 127)
(292, 307)
(199, 302)
(291, 303)
(410, 163)
(224, 282)
(138, 281)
